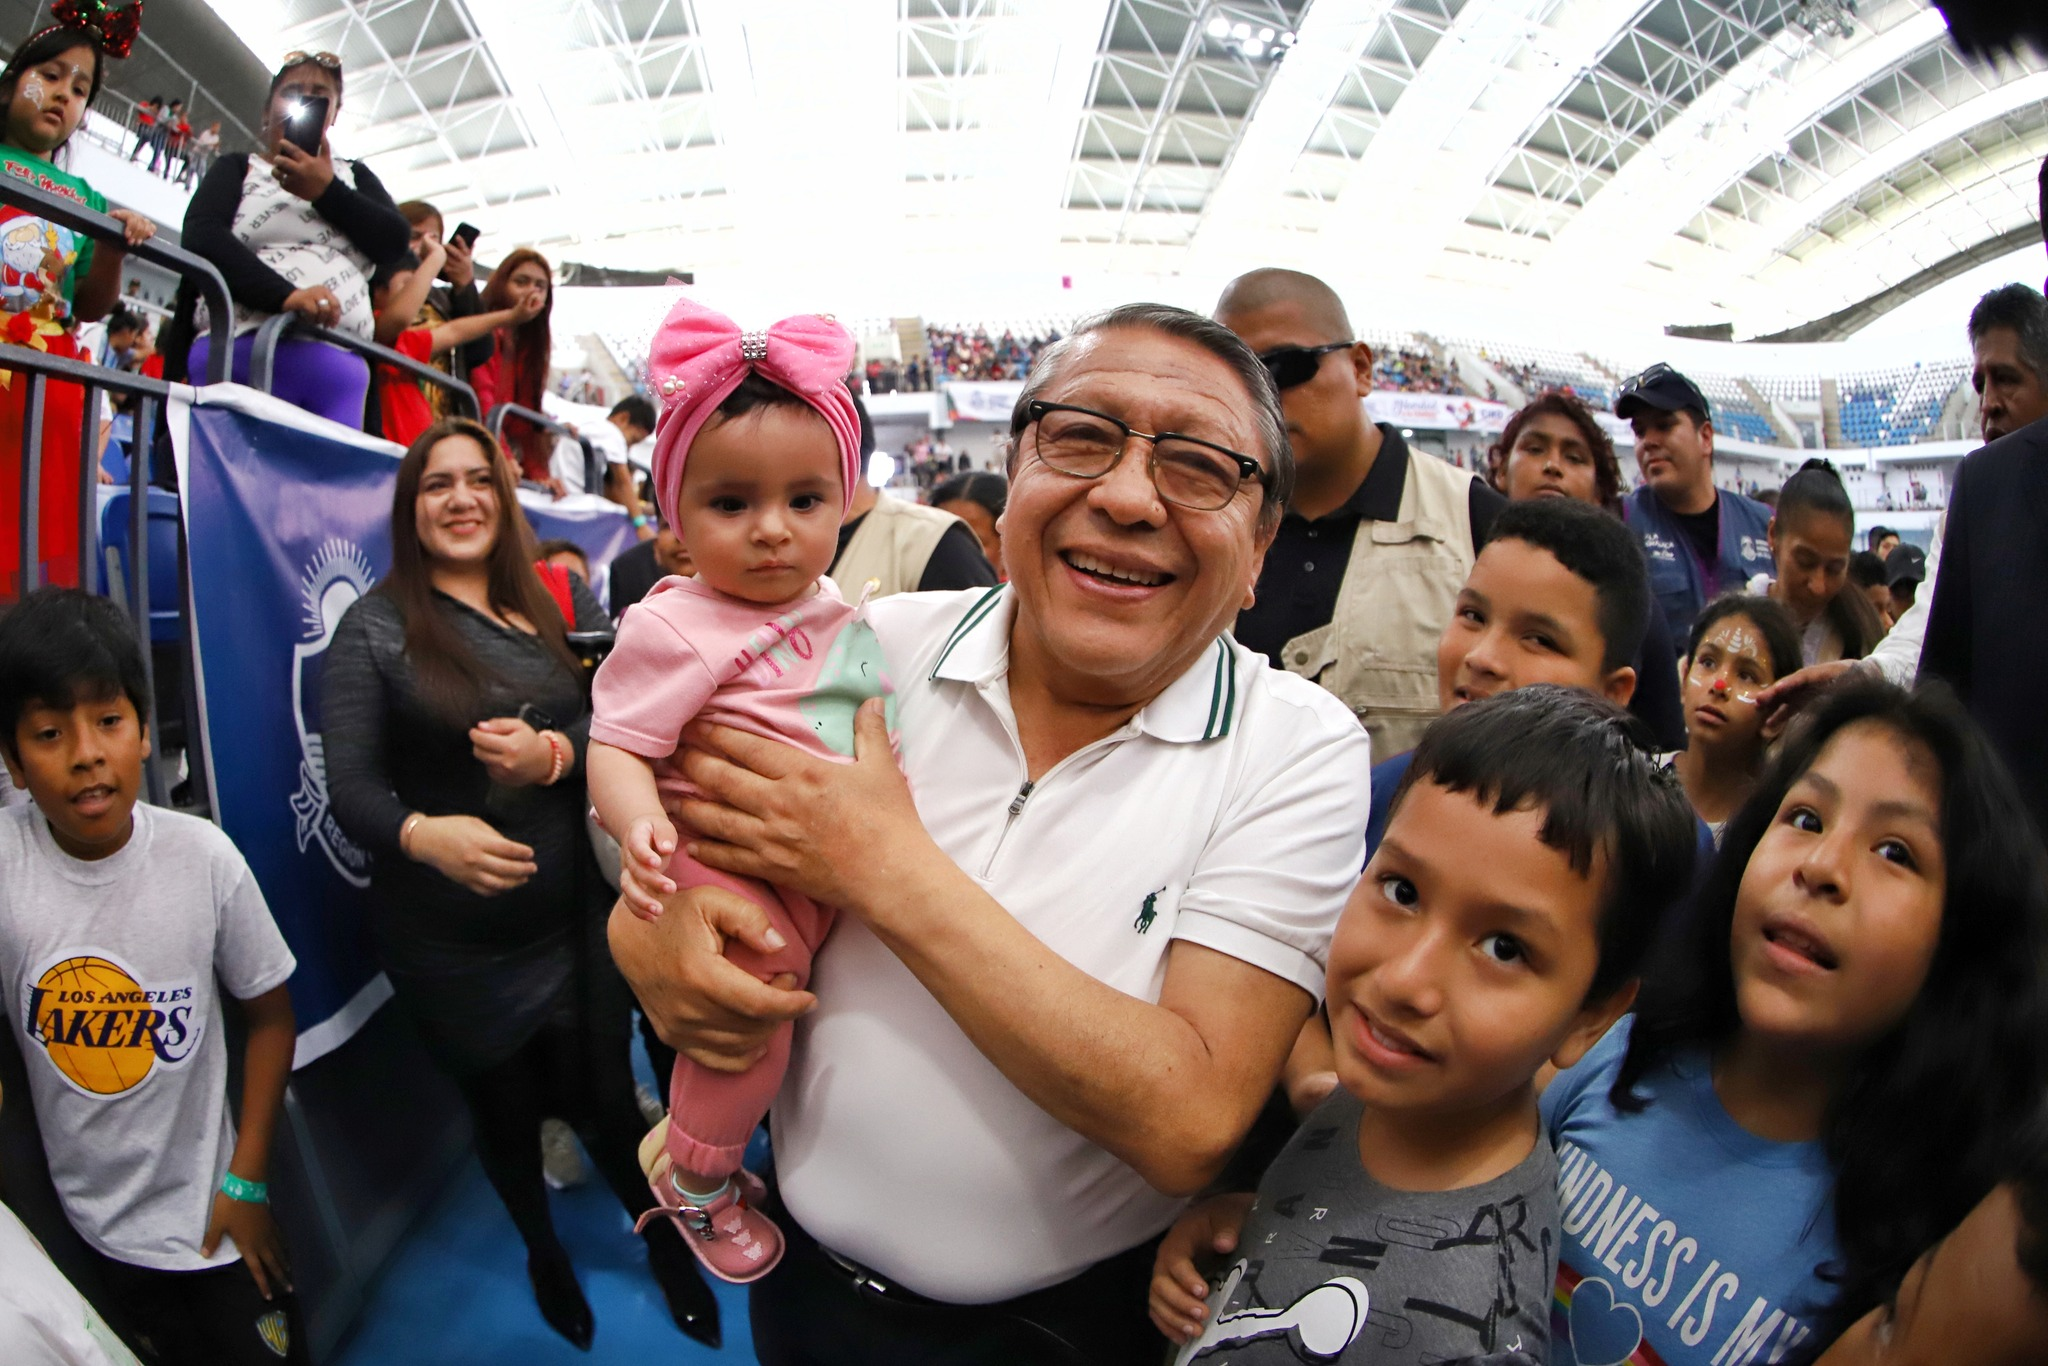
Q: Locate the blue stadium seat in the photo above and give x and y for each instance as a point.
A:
(166, 588)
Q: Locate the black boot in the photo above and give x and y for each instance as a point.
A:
(690, 1301)
(559, 1297)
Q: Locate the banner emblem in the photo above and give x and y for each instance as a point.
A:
(338, 574)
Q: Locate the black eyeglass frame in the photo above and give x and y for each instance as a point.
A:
(1248, 469)
(1281, 355)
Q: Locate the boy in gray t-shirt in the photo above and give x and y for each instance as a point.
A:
(122, 927)
(1534, 846)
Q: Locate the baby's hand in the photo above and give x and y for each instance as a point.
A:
(1180, 1292)
(643, 864)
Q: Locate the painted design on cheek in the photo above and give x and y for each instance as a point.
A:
(32, 90)
(1740, 641)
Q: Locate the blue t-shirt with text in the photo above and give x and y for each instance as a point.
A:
(1687, 1240)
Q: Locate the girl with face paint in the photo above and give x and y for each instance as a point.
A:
(50, 276)
(1740, 645)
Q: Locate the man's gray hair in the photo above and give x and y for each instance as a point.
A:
(2025, 312)
(1212, 337)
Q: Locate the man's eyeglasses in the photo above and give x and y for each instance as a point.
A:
(1187, 471)
(1292, 365)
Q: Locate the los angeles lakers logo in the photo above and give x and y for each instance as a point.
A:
(104, 1031)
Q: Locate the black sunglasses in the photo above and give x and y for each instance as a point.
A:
(1292, 365)
(326, 61)
(1661, 370)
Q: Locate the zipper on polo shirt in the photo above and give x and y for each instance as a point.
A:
(1016, 810)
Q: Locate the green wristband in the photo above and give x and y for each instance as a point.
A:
(249, 1192)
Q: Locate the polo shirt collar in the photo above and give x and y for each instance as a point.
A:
(1199, 705)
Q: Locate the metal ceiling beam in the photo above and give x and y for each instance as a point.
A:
(1780, 87)
(1469, 108)
(1328, 46)
(1793, 216)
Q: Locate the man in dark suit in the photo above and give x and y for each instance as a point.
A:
(1983, 633)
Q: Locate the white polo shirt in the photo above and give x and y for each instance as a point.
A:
(1230, 812)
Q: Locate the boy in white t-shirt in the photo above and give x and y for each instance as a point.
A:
(120, 926)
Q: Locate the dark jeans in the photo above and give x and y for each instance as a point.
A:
(203, 1318)
(813, 1310)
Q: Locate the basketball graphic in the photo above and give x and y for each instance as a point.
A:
(104, 1031)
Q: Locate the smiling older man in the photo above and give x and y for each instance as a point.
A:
(1079, 941)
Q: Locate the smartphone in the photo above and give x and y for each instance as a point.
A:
(307, 124)
(536, 717)
(468, 232)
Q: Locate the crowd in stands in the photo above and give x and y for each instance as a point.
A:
(1415, 372)
(956, 353)
(176, 152)
(1232, 882)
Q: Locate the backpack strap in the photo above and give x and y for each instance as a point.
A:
(557, 580)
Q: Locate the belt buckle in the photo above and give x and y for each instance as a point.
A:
(863, 1278)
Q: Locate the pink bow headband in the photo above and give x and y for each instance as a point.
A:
(699, 356)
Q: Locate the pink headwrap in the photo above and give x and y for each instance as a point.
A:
(699, 356)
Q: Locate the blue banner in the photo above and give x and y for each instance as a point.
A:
(287, 524)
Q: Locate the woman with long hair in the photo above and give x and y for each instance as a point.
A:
(456, 724)
(517, 371)
(1812, 534)
(1553, 447)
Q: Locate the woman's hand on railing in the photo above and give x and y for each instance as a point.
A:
(471, 852)
(315, 303)
(135, 227)
(512, 752)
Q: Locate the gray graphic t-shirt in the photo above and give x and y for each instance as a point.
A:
(1332, 1266)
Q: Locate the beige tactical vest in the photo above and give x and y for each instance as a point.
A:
(1378, 654)
(892, 545)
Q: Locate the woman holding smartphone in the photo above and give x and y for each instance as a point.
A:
(455, 722)
(293, 233)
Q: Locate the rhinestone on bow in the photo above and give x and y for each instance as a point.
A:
(753, 346)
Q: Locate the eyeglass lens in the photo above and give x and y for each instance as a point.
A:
(1184, 472)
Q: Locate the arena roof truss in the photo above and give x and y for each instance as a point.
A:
(1759, 161)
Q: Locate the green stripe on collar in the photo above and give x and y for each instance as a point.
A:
(974, 616)
(1222, 693)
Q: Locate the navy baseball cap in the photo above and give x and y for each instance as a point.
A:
(1905, 563)
(1660, 387)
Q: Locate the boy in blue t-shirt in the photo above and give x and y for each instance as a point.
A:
(121, 925)
(1531, 854)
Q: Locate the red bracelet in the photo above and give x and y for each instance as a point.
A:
(560, 764)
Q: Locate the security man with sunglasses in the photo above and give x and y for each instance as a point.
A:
(1366, 566)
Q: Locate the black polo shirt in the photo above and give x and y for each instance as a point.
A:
(1305, 567)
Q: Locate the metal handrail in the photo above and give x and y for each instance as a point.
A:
(37, 368)
(102, 229)
(263, 357)
(593, 464)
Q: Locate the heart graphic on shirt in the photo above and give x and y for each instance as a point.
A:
(1603, 1333)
